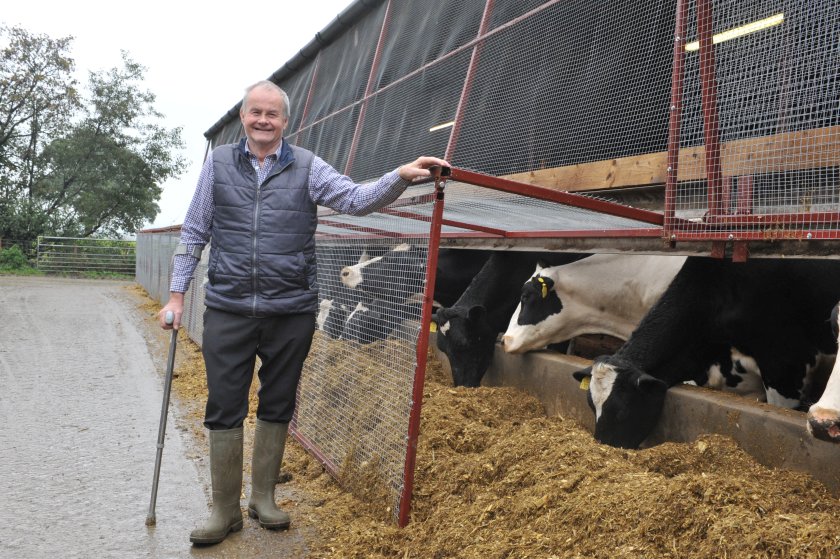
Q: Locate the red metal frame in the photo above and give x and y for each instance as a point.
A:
(567, 198)
(308, 103)
(422, 352)
(675, 120)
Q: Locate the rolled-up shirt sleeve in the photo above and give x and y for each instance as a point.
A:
(329, 188)
(195, 231)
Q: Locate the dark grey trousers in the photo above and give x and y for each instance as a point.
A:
(231, 344)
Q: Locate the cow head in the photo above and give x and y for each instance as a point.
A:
(824, 416)
(366, 323)
(627, 401)
(532, 324)
(353, 276)
(468, 340)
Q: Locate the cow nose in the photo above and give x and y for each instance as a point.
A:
(510, 345)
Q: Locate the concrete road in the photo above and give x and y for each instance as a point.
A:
(80, 400)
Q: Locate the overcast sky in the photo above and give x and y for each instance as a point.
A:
(199, 56)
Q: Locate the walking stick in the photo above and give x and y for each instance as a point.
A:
(167, 388)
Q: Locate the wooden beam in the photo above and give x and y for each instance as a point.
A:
(790, 151)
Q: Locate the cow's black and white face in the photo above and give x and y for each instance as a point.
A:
(353, 276)
(537, 321)
(468, 341)
(627, 402)
(824, 416)
(366, 324)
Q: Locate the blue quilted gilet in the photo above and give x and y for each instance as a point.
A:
(262, 251)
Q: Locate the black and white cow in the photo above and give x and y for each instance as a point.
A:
(609, 294)
(400, 273)
(467, 331)
(396, 275)
(824, 416)
(601, 294)
(380, 319)
(337, 301)
(773, 310)
(377, 285)
(334, 308)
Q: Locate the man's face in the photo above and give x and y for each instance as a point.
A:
(263, 120)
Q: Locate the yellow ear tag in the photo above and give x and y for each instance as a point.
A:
(584, 383)
(433, 327)
(544, 287)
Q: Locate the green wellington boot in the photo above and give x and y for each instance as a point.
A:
(269, 443)
(226, 479)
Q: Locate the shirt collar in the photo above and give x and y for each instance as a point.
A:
(249, 153)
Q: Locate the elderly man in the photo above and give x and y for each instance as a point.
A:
(256, 201)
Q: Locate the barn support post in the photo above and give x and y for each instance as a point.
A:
(422, 349)
(377, 56)
(675, 120)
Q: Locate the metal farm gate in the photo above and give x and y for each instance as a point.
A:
(713, 122)
(77, 255)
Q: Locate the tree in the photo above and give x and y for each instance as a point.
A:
(37, 96)
(97, 171)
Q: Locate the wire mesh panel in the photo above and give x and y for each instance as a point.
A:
(154, 272)
(565, 83)
(355, 397)
(759, 136)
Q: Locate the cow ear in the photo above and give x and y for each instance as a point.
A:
(583, 377)
(651, 384)
(476, 313)
(583, 373)
(542, 264)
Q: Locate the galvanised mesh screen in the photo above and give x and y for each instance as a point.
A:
(344, 68)
(396, 131)
(297, 87)
(355, 395)
(330, 138)
(154, 270)
(759, 138)
(418, 34)
(569, 84)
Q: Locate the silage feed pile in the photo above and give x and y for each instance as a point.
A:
(495, 478)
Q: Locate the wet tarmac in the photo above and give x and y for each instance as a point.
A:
(80, 398)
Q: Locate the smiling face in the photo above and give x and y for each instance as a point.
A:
(264, 119)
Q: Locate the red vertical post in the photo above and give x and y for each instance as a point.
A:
(422, 351)
(377, 56)
(468, 80)
(708, 96)
(675, 120)
(308, 103)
